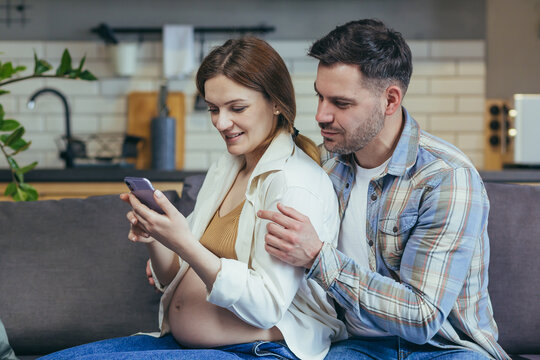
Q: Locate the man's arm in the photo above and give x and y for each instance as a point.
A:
(433, 267)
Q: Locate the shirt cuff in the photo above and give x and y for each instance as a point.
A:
(326, 267)
(157, 284)
(230, 283)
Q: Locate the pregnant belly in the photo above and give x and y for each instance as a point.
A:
(197, 323)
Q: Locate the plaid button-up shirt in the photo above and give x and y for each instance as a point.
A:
(427, 226)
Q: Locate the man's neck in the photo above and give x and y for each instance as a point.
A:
(383, 145)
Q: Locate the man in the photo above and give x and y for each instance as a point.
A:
(411, 269)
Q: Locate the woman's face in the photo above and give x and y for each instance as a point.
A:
(243, 117)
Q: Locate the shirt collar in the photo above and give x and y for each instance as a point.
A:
(406, 151)
(275, 156)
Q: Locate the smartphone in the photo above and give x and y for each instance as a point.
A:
(144, 191)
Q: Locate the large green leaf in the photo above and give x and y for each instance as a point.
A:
(19, 68)
(81, 64)
(22, 148)
(27, 168)
(11, 189)
(40, 66)
(18, 144)
(31, 192)
(65, 64)
(6, 70)
(77, 73)
(9, 125)
(87, 75)
(14, 136)
(20, 195)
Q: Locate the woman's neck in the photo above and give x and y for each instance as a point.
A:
(251, 160)
(248, 166)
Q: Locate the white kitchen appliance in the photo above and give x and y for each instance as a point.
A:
(527, 125)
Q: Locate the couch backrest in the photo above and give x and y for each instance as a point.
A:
(69, 275)
(514, 270)
(62, 284)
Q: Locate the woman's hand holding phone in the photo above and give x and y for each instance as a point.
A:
(137, 233)
(169, 227)
(171, 231)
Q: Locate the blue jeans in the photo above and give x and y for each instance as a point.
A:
(388, 348)
(139, 347)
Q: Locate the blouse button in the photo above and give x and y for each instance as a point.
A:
(373, 196)
(370, 242)
(395, 229)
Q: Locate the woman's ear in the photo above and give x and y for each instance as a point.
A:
(393, 96)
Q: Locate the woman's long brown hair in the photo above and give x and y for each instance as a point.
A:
(253, 63)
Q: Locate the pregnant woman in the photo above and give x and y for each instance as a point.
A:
(224, 296)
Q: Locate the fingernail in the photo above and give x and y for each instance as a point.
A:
(259, 213)
(158, 193)
(133, 221)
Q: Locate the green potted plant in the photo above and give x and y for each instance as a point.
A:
(12, 132)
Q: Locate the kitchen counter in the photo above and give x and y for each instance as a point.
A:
(52, 184)
(109, 174)
(98, 174)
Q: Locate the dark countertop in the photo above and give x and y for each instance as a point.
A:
(109, 174)
(98, 174)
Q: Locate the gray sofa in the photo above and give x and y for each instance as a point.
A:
(69, 275)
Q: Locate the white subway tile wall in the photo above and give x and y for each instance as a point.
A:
(446, 95)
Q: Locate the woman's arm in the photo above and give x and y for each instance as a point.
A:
(172, 237)
(164, 262)
(262, 294)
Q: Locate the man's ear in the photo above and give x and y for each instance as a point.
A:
(393, 95)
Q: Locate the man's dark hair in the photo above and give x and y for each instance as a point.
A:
(381, 53)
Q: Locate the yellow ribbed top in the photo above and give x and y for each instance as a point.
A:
(220, 234)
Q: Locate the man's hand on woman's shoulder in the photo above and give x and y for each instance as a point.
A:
(291, 237)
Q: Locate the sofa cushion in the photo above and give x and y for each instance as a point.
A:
(70, 275)
(514, 281)
(190, 190)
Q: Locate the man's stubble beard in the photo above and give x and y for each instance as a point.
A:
(361, 136)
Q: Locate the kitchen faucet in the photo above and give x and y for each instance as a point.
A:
(68, 154)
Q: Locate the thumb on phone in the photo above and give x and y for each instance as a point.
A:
(164, 203)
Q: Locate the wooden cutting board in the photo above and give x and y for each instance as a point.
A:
(142, 107)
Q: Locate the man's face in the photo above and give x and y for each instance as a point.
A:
(349, 114)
